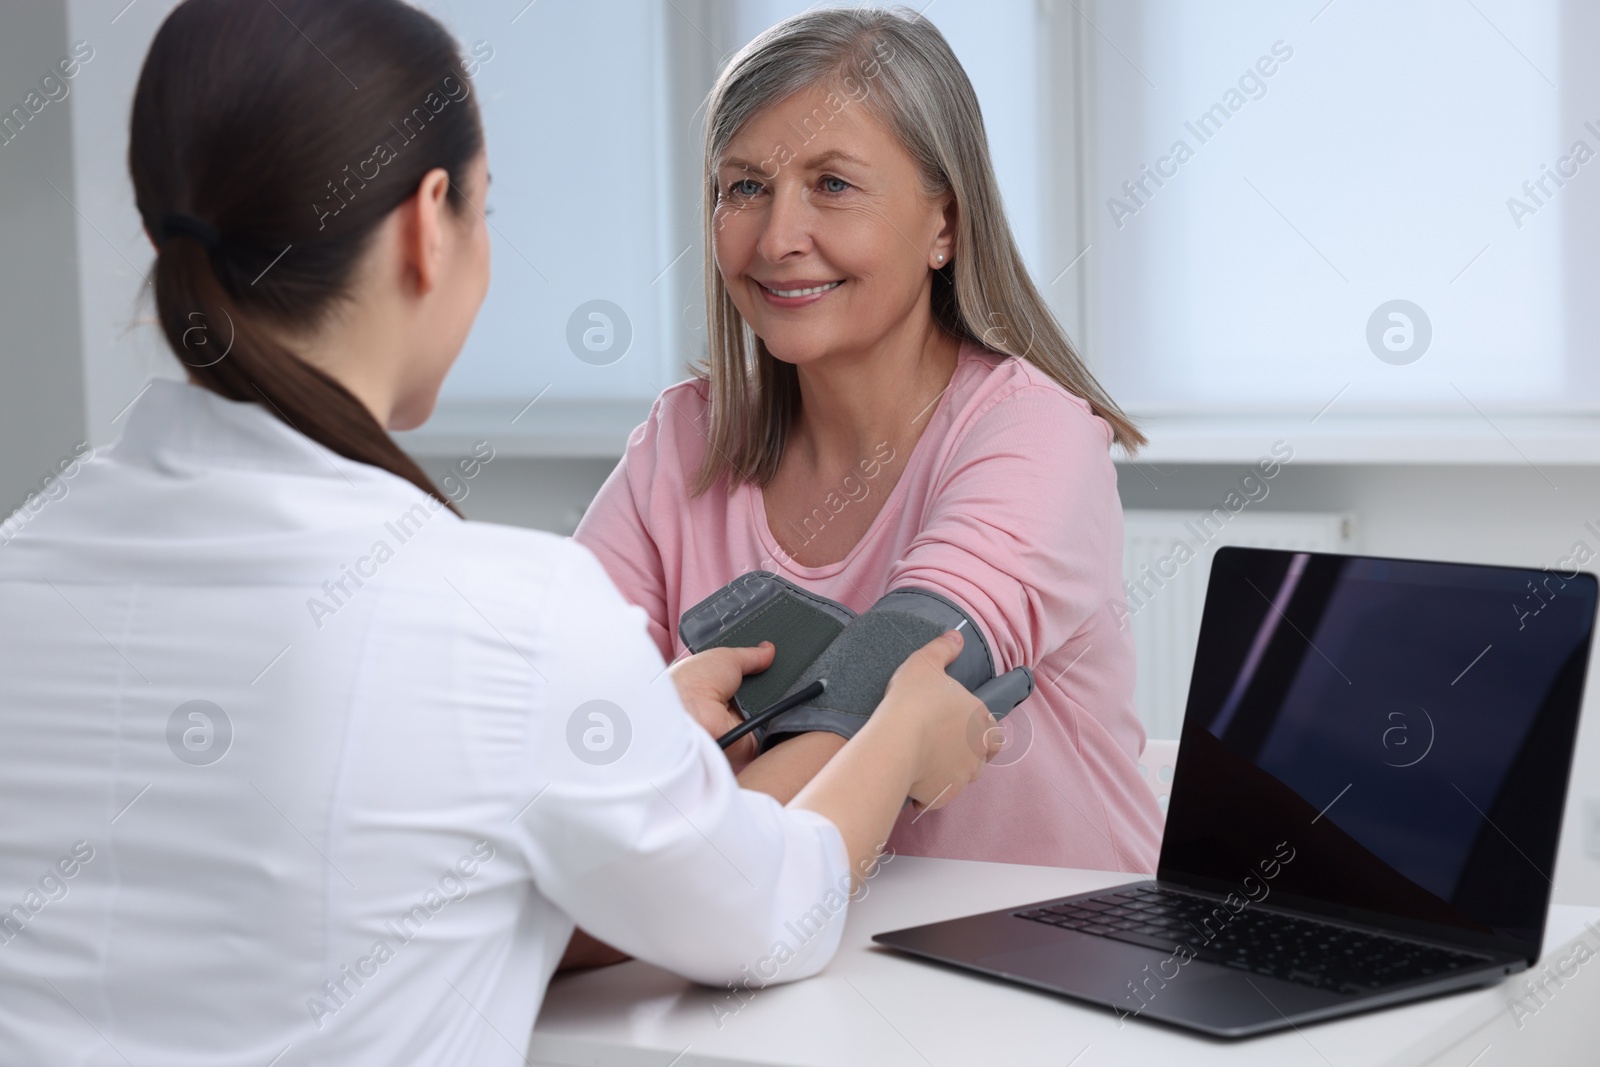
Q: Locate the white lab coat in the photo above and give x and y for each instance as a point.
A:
(375, 853)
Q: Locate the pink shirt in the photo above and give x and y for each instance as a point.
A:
(1008, 506)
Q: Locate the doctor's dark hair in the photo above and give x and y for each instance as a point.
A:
(269, 141)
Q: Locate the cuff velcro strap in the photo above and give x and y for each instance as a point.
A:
(862, 659)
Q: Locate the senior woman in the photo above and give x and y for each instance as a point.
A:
(888, 404)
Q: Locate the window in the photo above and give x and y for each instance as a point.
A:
(576, 320)
(1384, 203)
(1252, 209)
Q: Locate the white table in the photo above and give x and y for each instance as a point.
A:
(875, 1008)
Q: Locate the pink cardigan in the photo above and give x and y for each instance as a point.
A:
(1008, 506)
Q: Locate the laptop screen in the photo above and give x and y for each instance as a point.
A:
(1387, 741)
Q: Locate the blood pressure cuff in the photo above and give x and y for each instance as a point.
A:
(819, 638)
(760, 606)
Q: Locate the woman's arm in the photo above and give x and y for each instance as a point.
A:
(1022, 521)
(783, 771)
(584, 952)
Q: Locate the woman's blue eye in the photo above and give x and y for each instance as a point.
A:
(829, 184)
(745, 187)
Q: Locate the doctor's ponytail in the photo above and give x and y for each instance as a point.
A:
(262, 165)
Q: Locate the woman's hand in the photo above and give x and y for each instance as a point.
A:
(707, 681)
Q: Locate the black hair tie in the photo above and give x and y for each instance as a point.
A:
(178, 224)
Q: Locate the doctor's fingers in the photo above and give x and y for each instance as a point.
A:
(718, 672)
(956, 766)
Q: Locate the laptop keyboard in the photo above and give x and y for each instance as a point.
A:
(1263, 942)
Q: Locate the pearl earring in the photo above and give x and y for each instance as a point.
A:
(941, 257)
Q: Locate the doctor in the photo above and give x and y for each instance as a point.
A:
(299, 767)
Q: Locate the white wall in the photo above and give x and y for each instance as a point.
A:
(122, 346)
(41, 372)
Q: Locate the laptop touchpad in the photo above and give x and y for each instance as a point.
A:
(1090, 966)
(1108, 971)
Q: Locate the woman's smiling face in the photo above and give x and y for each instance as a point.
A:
(826, 244)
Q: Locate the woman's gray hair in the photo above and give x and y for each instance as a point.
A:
(898, 65)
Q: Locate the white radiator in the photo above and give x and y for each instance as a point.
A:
(1166, 596)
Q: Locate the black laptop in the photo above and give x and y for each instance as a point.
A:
(1365, 808)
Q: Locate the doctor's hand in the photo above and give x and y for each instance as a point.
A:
(918, 744)
(949, 731)
(706, 683)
